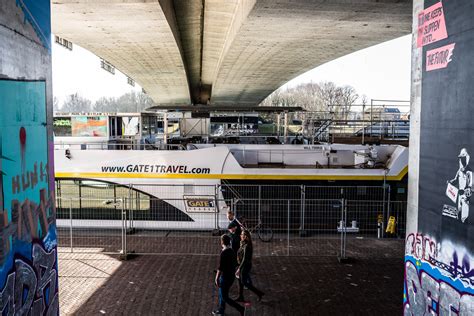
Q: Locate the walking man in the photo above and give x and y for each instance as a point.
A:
(225, 277)
(235, 230)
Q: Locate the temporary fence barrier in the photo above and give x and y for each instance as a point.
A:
(123, 219)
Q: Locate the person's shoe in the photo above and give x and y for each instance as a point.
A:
(217, 312)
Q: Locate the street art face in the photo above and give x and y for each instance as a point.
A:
(28, 268)
(459, 189)
(439, 262)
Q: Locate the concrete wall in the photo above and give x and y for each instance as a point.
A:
(439, 243)
(28, 262)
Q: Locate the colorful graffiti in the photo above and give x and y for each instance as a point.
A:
(95, 126)
(439, 278)
(428, 291)
(439, 262)
(421, 247)
(32, 287)
(28, 267)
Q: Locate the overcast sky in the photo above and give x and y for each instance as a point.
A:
(79, 71)
(380, 72)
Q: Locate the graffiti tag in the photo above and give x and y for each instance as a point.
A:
(421, 247)
(428, 296)
(29, 221)
(32, 289)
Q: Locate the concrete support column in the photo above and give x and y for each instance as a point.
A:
(165, 128)
(439, 241)
(278, 125)
(26, 161)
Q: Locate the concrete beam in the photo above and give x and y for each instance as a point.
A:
(137, 37)
(279, 40)
(225, 52)
(189, 15)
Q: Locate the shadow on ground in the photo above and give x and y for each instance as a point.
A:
(183, 285)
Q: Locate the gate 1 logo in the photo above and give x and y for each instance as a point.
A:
(195, 204)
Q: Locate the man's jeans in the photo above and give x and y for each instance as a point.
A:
(224, 287)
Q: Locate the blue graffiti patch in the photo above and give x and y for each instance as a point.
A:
(429, 289)
(437, 274)
(50, 241)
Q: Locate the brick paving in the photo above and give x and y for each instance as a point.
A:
(181, 284)
(181, 242)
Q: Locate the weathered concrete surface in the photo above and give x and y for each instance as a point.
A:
(439, 220)
(415, 111)
(282, 39)
(22, 54)
(225, 52)
(135, 36)
(28, 269)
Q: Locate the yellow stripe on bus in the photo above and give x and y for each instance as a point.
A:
(93, 175)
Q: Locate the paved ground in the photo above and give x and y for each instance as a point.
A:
(97, 284)
(203, 243)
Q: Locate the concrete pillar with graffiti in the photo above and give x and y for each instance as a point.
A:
(28, 261)
(439, 249)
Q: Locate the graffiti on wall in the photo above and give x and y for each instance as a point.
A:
(439, 278)
(28, 267)
(32, 286)
(459, 189)
(439, 262)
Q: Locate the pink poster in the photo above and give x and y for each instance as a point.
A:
(439, 58)
(431, 25)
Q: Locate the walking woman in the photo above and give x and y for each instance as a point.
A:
(244, 258)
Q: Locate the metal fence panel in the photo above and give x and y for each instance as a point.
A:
(293, 220)
(163, 229)
(94, 225)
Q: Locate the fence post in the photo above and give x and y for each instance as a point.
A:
(125, 231)
(388, 201)
(259, 201)
(130, 205)
(70, 224)
(288, 230)
(342, 257)
(302, 208)
(384, 218)
(216, 213)
(80, 196)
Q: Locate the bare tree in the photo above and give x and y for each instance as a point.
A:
(105, 104)
(76, 103)
(55, 104)
(128, 102)
(364, 99)
(322, 97)
(348, 96)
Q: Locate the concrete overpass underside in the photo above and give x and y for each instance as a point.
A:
(232, 52)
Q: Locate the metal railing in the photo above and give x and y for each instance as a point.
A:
(284, 220)
(118, 145)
